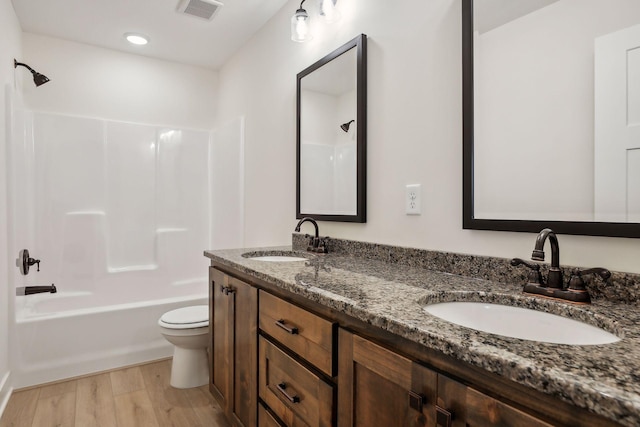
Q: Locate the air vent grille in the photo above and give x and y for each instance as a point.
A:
(205, 9)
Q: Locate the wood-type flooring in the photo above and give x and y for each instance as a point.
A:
(138, 396)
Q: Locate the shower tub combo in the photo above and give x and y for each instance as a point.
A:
(119, 215)
(67, 334)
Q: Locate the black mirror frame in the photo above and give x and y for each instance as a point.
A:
(610, 229)
(360, 44)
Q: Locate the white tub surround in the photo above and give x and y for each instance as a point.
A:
(118, 214)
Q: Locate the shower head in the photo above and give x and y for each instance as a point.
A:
(345, 126)
(38, 79)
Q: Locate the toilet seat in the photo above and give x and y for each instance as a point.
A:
(196, 316)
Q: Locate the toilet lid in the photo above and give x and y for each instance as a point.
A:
(195, 316)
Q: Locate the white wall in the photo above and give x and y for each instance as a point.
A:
(414, 132)
(10, 48)
(102, 83)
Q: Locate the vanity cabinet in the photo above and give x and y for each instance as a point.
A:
(281, 360)
(296, 360)
(234, 350)
(381, 387)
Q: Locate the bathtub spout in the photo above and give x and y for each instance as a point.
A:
(30, 290)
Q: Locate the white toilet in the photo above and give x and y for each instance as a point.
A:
(187, 329)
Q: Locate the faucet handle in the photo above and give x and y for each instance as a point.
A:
(576, 283)
(311, 239)
(323, 244)
(602, 272)
(534, 274)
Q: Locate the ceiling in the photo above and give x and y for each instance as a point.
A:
(173, 36)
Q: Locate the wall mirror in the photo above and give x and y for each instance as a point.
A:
(332, 135)
(551, 116)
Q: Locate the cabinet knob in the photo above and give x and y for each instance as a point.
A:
(443, 417)
(227, 290)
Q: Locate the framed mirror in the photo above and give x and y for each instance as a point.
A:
(551, 116)
(331, 136)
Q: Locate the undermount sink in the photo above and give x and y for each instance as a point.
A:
(278, 258)
(275, 256)
(522, 323)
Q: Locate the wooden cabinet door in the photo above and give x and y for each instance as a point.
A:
(221, 329)
(459, 405)
(377, 387)
(234, 350)
(244, 299)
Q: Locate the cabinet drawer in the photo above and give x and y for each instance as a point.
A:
(482, 409)
(265, 419)
(296, 395)
(308, 335)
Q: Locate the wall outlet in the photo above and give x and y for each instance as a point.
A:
(412, 199)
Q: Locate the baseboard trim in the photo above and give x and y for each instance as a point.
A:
(60, 370)
(106, 371)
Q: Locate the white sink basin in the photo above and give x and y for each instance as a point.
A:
(523, 323)
(277, 258)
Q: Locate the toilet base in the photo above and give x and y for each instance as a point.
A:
(190, 368)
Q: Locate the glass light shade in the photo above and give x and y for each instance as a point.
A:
(329, 11)
(301, 26)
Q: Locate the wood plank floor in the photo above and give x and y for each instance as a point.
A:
(131, 397)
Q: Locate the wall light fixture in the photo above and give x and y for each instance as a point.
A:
(301, 25)
(329, 11)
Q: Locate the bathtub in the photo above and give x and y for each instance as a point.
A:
(69, 334)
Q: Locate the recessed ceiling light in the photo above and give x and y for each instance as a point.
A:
(136, 38)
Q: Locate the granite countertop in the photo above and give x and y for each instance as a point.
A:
(604, 379)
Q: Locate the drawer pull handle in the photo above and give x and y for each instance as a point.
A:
(282, 388)
(292, 331)
(416, 401)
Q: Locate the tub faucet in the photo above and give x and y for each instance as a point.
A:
(30, 290)
(315, 243)
(554, 279)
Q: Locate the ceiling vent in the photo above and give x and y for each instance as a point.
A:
(204, 9)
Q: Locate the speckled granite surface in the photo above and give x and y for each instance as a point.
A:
(621, 287)
(604, 379)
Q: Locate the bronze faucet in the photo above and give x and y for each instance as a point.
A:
(554, 279)
(316, 244)
(555, 287)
